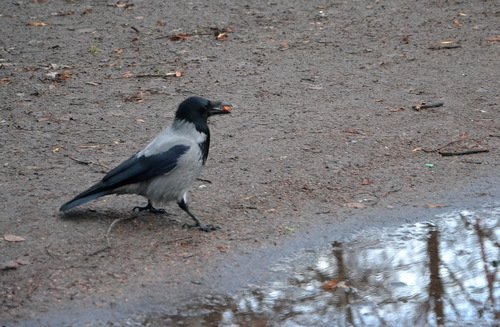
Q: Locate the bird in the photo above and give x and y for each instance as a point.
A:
(167, 167)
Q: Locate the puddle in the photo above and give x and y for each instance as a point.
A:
(426, 274)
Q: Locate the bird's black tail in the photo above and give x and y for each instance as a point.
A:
(92, 193)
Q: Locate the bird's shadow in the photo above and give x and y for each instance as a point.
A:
(91, 215)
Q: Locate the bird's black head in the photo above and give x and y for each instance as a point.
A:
(196, 110)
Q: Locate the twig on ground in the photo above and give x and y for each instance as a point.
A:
(87, 163)
(424, 105)
(448, 153)
(107, 247)
(461, 153)
(50, 253)
(444, 47)
(165, 75)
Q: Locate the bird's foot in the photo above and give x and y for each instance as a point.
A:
(149, 207)
(205, 228)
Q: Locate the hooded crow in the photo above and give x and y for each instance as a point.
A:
(166, 168)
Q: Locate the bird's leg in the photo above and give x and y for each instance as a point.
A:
(149, 207)
(197, 224)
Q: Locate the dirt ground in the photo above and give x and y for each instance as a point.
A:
(323, 128)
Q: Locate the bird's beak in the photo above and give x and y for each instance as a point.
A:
(219, 108)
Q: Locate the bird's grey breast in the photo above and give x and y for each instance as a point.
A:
(172, 185)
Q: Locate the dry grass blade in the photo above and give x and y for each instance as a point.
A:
(108, 240)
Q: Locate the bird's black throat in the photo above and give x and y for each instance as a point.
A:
(204, 146)
(202, 127)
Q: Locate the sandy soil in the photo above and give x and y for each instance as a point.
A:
(323, 130)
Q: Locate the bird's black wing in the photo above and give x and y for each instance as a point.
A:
(133, 170)
(139, 169)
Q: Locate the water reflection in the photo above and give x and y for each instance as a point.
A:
(417, 275)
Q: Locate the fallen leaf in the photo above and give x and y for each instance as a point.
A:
(87, 11)
(14, 264)
(177, 73)
(222, 248)
(52, 75)
(5, 80)
(315, 87)
(351, 130)
(330, 285)
(436, 205)
(13, 238)
(457, 23)
(127, 74)
(445, 44)
(59, 76)
(355, 205)
(23, 262)
(63, 13)
(38, 24)
(221, 36)
(180, 37)
(366, 181)
(138, 97)
(121, 4)
(9, 265)
(64, 75)
(493, 38)
(284, 46)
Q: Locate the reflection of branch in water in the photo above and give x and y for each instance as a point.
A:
(454, 307)
(338, 253)
(490, 277)
(457, 282)
(435, 284)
